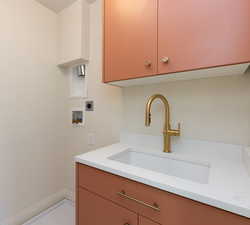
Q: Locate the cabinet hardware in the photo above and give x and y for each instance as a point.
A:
(148, 63)
(165, 59)
(154, 206)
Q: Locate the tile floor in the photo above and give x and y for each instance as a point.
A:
(60, 214)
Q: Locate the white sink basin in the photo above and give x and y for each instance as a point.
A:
(165, 163)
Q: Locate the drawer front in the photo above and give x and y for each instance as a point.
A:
(106, 185)
(145, 200)
(144, 221)
(94, 210)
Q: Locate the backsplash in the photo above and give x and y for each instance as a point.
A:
(214, 109)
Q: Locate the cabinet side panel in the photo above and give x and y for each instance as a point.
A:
(76, 193)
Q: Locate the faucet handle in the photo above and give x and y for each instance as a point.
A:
(176, 132)
(179, 127)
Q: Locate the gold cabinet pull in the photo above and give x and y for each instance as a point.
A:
(165, 59)
(154, 207)
(148, 63)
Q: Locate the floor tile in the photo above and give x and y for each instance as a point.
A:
(60, 214)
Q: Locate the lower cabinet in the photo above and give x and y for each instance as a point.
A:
(106, 199)
(94, 210)
(144, 221)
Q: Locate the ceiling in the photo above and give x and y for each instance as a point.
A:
(56, 5)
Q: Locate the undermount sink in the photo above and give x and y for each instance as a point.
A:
(166, 164)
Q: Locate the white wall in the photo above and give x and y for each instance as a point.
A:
(37, 142)
(105, 121)
(33, 107)
(216, 109)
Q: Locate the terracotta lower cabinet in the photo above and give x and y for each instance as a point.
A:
(94, 210)
(101, 200)
(144, 221)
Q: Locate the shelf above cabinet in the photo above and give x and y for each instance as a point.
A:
(73, 63)
(74, 34)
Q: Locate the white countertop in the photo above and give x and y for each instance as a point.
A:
(228, 187)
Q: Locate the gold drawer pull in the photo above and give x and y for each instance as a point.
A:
(154, 207)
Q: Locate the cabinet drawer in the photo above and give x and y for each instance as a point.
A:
(144, 221)
(94, 210)
(109, 185)
(144, 200)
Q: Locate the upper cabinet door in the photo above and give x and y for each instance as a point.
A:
(130, 39)
(196, 34)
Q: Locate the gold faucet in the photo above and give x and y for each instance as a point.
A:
(167, 132)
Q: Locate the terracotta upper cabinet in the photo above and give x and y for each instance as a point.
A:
(196, 34)
(130, 39)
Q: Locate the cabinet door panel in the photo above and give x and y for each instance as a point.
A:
(144, 221)
(130, 41)
(94, 210)
(201, 34)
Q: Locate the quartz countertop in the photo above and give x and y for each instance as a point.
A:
(228, 187)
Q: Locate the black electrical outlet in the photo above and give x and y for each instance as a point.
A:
(89, 106)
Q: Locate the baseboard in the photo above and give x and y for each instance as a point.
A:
(70, 195)
(39, 207)
(246, 158)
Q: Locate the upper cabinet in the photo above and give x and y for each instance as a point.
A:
(130, 39)
(148, 38)
(197, 34)
(74, 34)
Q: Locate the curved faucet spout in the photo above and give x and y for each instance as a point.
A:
(167, 131)
(149, 106)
